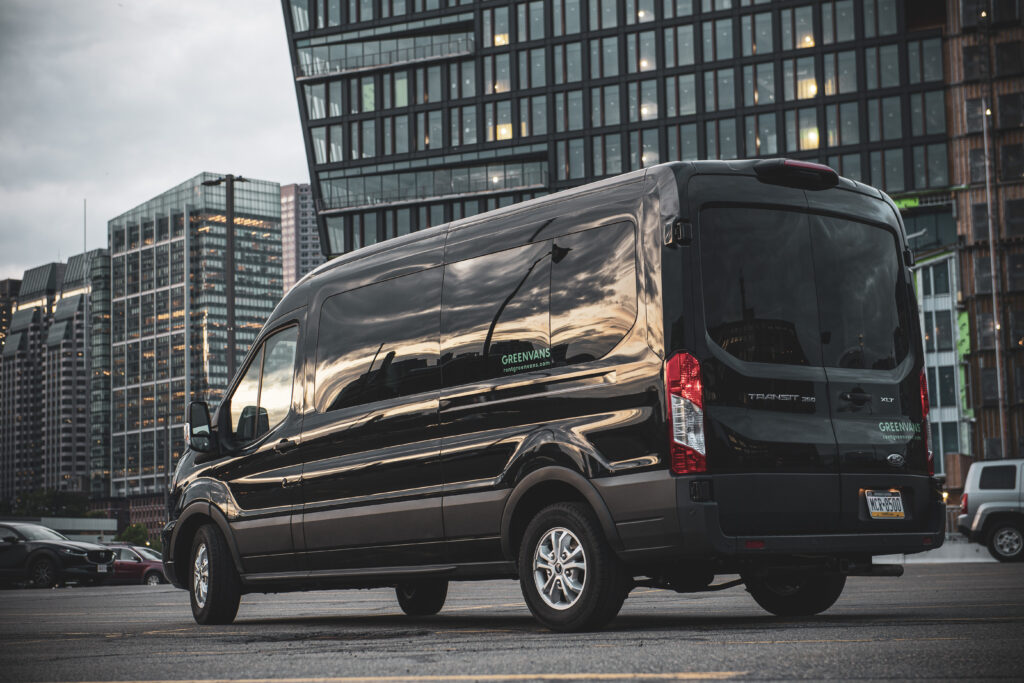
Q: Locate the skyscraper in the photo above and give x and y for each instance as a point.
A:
(22, 395)
(300, 240)
(8, 297)
(70, 382)
(171, 314)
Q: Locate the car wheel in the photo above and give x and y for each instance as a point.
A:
(1006, 542)
(571, 578)
(152, 579)
(43, 573)
(796, 596)
(422, 598)
(214, 586)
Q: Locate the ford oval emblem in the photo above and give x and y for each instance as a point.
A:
(896, 460)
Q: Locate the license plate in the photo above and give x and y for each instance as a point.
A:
(101, 568)
(885, 504)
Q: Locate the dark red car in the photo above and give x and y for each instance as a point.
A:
(137, 564)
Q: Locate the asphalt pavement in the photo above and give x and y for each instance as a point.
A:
(937, 622)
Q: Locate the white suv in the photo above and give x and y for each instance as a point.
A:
(992, 508)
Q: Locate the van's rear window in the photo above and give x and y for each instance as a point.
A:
(786, 287)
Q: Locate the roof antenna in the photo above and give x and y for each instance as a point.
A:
(84, 242)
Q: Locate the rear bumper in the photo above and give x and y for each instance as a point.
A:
(662, 520)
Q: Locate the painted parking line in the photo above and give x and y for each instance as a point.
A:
(497, 678)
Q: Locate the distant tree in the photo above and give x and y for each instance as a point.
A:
(51, 503)
(136, 534)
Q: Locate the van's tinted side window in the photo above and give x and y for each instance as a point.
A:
(593, 292)
(379, 342)
(760, 302)
(494, 319)
(861, 298)
(998, 477)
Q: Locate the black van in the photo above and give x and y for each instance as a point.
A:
(690, 370)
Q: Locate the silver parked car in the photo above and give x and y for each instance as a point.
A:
(992, 508)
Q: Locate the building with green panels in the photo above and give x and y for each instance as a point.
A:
(170, 312)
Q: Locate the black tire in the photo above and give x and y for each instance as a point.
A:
(796, 596)
(1006, 541)
(43, 573)
(422, 598)
(603, 581)
(152, 579)
(218, 604)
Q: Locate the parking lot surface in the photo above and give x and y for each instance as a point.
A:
(953, 621)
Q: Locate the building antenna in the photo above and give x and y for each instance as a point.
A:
(84, 242)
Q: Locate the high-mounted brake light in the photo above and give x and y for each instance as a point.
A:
(804, 175)
(926, 424)
(685, 404)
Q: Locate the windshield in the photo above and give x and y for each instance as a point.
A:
(149, 554)
(788, 288)
(40, 533)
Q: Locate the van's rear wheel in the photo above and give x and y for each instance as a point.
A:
(1006, 542)
(570, 576)
(799, 595)
(422, 598)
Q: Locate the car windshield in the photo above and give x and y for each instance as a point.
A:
(149, 554)
(40, 533)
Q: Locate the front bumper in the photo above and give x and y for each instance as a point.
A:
(166, 538)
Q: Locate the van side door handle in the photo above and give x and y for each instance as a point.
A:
(858, 398)
(284, 445)
(288, 482)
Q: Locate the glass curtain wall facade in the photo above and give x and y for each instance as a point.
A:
(9, 289)
(300, 239)
(418, 112)
(169, 314)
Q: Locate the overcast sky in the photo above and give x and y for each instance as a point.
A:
(116, 101)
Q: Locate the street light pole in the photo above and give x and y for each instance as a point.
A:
(994, 275)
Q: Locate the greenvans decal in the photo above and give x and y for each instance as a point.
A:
(525, 360)
(901, 430)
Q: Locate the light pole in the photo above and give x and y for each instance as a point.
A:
(229, 261)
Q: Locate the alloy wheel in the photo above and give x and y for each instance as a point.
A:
(201, 575)
(1008, 541)
(559, 568)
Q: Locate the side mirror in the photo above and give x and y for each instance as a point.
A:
(198, 430)
(11, 539)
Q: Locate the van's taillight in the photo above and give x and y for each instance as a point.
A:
(801, 174)
(685, 414)
(926, 425)
(963, 503)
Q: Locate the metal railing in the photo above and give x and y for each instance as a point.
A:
(323, 67)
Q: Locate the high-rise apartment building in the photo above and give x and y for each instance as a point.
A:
(173, 317)
(986, 98)
(22, 375)
(70, 381)
(8, 297)
(300, 240)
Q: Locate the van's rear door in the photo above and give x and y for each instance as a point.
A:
(768, 431)
(872, 360)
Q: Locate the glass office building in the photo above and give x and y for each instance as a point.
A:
(418, 112)
(170, 313)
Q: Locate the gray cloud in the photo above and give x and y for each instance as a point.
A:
(118, 100)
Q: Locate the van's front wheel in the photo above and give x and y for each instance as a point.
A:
(214, 588)
(570, 576)
(799, 595)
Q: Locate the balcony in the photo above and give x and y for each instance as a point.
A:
(312, 64)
